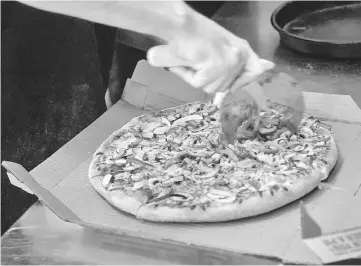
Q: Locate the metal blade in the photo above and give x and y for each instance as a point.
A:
(242, 109)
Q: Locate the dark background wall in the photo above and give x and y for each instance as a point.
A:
(51, 87)
(50, 90)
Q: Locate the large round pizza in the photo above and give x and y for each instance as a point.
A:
(174, 165)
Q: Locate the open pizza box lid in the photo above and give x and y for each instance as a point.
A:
(324, 228)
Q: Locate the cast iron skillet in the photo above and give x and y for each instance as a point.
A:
(320, 28)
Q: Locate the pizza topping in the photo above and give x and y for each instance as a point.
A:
(172, 161)
(194, 108)
(211, 109)
(299, 147)
(326, 126)
(181, 196)
(120, 161)
(152, 182)
(275, 145)
(107, 180)
(267, 130)
(174, 180)
(162, 196)
(221, 196)
(137, 176)
(174, 170)
(246, 163)
(139, 162)
(122, 175)
(161, 130)
(183, 121)
(230, 154)
(139, 184)
(264, 149)
(206, 172)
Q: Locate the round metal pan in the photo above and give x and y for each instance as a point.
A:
(320, 28)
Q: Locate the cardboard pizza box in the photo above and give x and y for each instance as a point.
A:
(324, 228)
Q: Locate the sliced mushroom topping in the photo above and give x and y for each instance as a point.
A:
(162, 141)
(199, 127)
(130, 168)
(320, 144)
(120, 152)
(182, 121)
(137, 177)
(292, 144)
(140, 162)
(264, 149)
(122, 176)
(301, 165)
(148, 134)
(200, 153)
(211, 109)
(254, 183)
(107, 180)
(219, 192)
(139, 154)
(282, 142)
(194, 108)
(172, 161)
(161, 130)
(171, 118)
(230, 154)
(286, 134)
(139, 184)
(128, 152)
(298, 148)
(174, 180)
(190, 141)
(267, 131)
(206, 172)
(275, 145)
(246, 163)
(181, 197)
(166, 193)
(152, 182)
(221, 196)
(229, 199)
(120, 161)
(216, 157)
(174, 170)
(326, 126)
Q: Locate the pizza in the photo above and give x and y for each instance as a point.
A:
(174, 165)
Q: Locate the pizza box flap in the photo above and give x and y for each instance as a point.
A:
(62, 180)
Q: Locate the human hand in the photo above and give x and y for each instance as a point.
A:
(208, 56)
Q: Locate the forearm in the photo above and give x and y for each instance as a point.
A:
(162, 19)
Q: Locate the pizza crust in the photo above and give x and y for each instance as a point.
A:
(118, 198)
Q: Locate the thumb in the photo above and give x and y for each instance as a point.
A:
(252, 74)
(165, 56)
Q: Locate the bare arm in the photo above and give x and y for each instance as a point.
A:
(163, 19)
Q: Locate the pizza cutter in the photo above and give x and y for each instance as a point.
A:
(242, 109)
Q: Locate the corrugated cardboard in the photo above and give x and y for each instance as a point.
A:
(61, 182)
